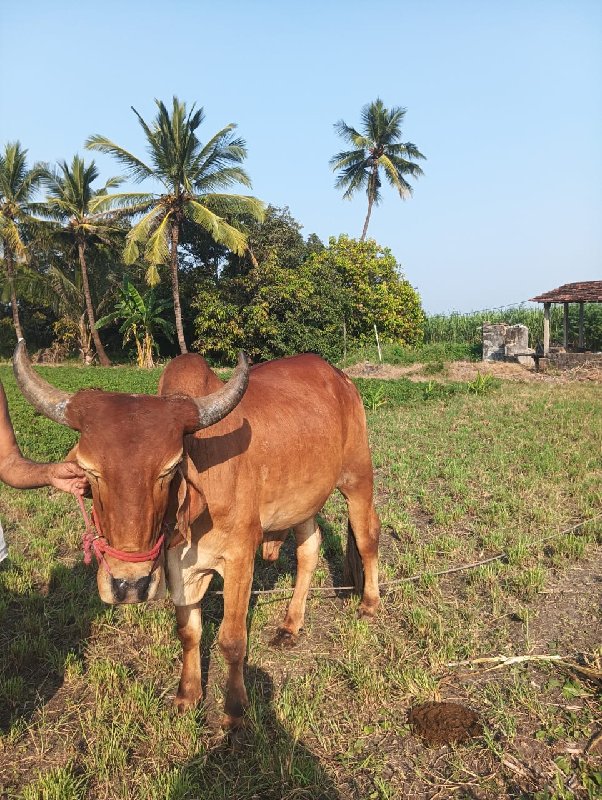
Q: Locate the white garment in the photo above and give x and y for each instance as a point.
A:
(3, 546)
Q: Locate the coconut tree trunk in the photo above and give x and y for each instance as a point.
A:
(10, 271)
(102, 356)
(175, 286)
(84, 341)
(365, 231)
(372, 185)
(254, 261)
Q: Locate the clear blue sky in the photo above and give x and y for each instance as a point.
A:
(504, 98)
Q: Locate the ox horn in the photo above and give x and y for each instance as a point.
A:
(45, 398)
(217, 405)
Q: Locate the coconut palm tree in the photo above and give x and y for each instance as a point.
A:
(70, 202)
(377, 147)
(191, 175)
(17, 186)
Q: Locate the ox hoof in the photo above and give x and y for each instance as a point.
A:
(366, 612)
(232, 723)
(183, 704)
(284, 640)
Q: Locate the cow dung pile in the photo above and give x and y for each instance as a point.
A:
(444, 723)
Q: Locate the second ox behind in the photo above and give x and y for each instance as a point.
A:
(229, 466)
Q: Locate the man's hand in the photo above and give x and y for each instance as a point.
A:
(68, 477)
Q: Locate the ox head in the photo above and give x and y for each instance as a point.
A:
(131, 447)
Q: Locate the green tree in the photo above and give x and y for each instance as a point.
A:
(62, 293)
(271, 305)
(374, 292)
(272, 311)
(57, 283)
(17, 186)
(190, 174)
(277, 237)
(71, 201)
(142, 317)
(377, 148)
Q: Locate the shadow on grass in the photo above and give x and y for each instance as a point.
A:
(39, 633)
(43, 631)
(266, 576)
(263, 760)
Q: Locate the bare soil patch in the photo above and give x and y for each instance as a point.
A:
(469, 370)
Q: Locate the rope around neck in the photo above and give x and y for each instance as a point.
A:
(95, 542)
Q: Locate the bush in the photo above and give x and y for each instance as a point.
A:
(374, 291)
(276, 308)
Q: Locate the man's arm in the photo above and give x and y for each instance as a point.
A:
(20, 472)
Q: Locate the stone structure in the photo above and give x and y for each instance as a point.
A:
(494, 341)
(572, 360)
(503, 342)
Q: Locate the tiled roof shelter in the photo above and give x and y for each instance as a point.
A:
(583, 292)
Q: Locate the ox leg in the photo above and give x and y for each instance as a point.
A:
(364, 534)
(308, 538)
(189, 632)
(238, 576)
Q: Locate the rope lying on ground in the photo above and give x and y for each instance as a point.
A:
(385, 586)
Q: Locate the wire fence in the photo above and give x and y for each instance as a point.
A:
(388, 585)
(466, 328)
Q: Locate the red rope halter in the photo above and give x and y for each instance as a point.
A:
(95, 542)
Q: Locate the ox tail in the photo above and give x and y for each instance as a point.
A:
(354, 568)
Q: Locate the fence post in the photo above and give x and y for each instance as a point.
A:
(380, 355)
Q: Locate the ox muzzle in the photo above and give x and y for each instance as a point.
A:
(123, 576)
(131, 584)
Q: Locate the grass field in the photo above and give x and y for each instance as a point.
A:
(462, 473)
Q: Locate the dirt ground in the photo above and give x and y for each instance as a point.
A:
(468, 371)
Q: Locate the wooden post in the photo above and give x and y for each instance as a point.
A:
(380, 355)
(581, 336)
(546, 328)
(566, 326)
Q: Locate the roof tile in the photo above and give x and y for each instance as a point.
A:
(583, 292)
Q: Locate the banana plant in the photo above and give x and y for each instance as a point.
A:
(141, 318)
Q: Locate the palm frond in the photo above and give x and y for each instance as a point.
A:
(11, 236)
(152, 276)
(128, 202)
(347, 157)
(139, 233)
(135, 168)
(350, 134)
(157, 249)
(234, 205)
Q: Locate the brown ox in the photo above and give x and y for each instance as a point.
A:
(229, 468)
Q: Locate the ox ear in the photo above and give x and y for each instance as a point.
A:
(191, 501)
(72, 456)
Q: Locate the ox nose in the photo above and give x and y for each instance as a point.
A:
(121, 588)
